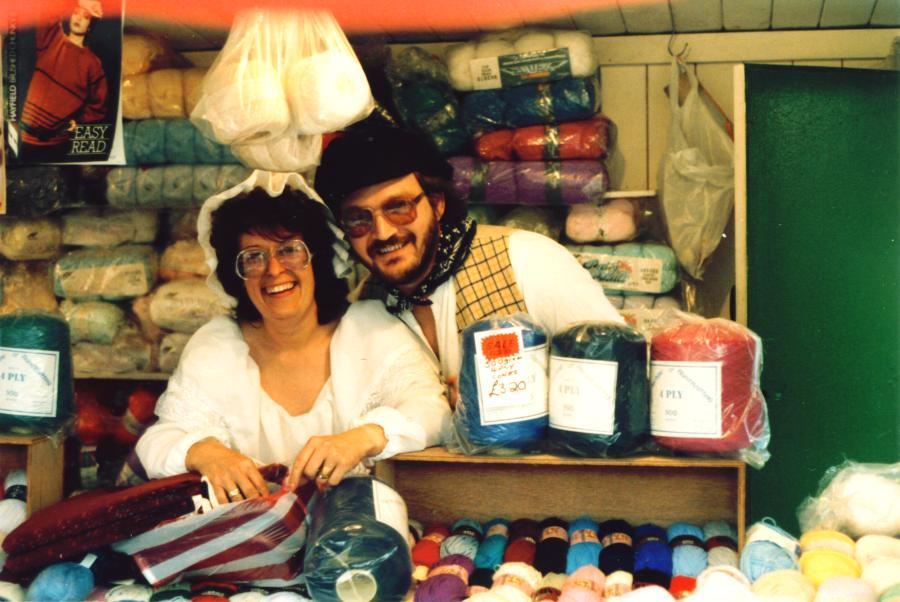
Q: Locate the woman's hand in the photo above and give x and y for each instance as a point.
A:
(93, 7)
(327, 459)
(233, 475)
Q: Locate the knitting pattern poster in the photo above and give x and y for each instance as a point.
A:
(61, 85)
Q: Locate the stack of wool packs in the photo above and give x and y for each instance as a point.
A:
(538, 139)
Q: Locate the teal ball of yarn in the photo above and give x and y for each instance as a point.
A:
(492, 547)
(761, 557)
(464, 539)
(36, 369)
(61, 582)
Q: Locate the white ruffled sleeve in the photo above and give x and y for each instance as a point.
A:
(185, 413)
(400, 384)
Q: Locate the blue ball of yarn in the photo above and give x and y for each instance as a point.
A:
(583, 552)
(492, 547)
(679, 529)
(761, 557)
(466, 534)
(514, 434)
(654, 555)
(688, 560)
(718, 528)
(649, 532)
(61, 582)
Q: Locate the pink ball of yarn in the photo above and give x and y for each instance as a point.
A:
(584, 585)
(845, 589)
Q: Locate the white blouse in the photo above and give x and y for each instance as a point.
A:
(380, 374)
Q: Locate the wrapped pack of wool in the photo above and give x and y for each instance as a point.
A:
(192, 87)
(502, 405)
(92, 321)
(101, 228)
(183, 259)
(572, 99)
(705, 391)
(617, 220)
(560, 182)
(35, 190)
(181, 225)
(29, 239)
(177, 186)
(139, 54)
(431, 108)
(577, 47)
(356, 546)
(484, 214)
(287, 152)
(534, 219)
(492, 182)
(328, 91)
(170, 348)
(632, 268)
(589, 139)
(128, 352)
(136, 97)
(121, 187)
(184, 305)
(140, 307)
(36, 391)
(111, 274)
(160, 141)
(166, 93)
(599, 394)
(26, 285)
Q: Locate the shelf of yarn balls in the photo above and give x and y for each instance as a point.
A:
(41, 457)
(442, 486)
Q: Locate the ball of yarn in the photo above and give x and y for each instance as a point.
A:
(11, 592)
(15, 485)
(447, 580)
(138, 416)
(464, 539)
(722, 556)
(480, 580)
(735, 352)
(458, 57)
(870, 547)
(682, 585)
(492, 48)
(37, 364)
(891, 595)
(599, 393)
(502, 405)
(327, 92)
(845, 589)
(718, 528)
(823, 564)
(61, 583)
(882, 573)
(784, 585)
(492, 547)
(516, 581)
(12, 514)
(134, 592)
(550, 587)
(523, 536)
(650, 593)
(617, 553)
(286, 152)
(427, 550)
(584, 585)
(827, 539)
(534, 41)
(768, 530)
(551, 549)
(723, 579)
(582, 57)
(584, 544)
(761, 557)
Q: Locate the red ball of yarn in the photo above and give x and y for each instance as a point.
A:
(93, 421)
(427, 550)
(682, 586)
(743, 416)
(138, 416)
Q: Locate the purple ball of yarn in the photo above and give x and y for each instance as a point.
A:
(447, 580)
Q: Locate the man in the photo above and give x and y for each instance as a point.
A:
(430, 264)
(68, 86)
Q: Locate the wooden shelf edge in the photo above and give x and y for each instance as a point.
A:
(22, 439)
(124, 376)
(441, 454)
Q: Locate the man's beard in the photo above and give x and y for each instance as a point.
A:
(414, 273)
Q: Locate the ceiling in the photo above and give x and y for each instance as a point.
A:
(423, 21)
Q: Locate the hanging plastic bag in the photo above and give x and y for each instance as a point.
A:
(696, 178)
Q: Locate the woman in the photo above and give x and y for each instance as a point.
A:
(297, 376)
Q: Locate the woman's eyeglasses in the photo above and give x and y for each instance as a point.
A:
(292, 255)
(359, 221)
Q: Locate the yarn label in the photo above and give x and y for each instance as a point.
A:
(512, 380)
(583, 395)
(28, 379)
(390, 508)
(686, 399)
(510, 70)
(621, 273)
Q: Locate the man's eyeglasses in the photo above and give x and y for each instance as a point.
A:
(359, 221)
(292, 255)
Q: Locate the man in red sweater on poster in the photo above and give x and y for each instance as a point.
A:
(68, 86)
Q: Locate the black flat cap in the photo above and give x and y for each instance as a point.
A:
(360, 159)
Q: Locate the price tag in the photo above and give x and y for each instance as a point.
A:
(512, 380)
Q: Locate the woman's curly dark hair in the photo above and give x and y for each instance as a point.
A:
(290, 213)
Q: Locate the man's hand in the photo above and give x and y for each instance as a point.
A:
(93, 7)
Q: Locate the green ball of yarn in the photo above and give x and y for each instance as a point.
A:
(36, 389)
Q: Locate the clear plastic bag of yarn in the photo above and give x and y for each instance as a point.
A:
(279, 71)
(502, 407)
(705, 394)
(855, 498)
(36, 388)
(356, 546)
(696, 179)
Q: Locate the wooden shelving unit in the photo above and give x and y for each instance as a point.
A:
(41, 457)
(438, 485)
